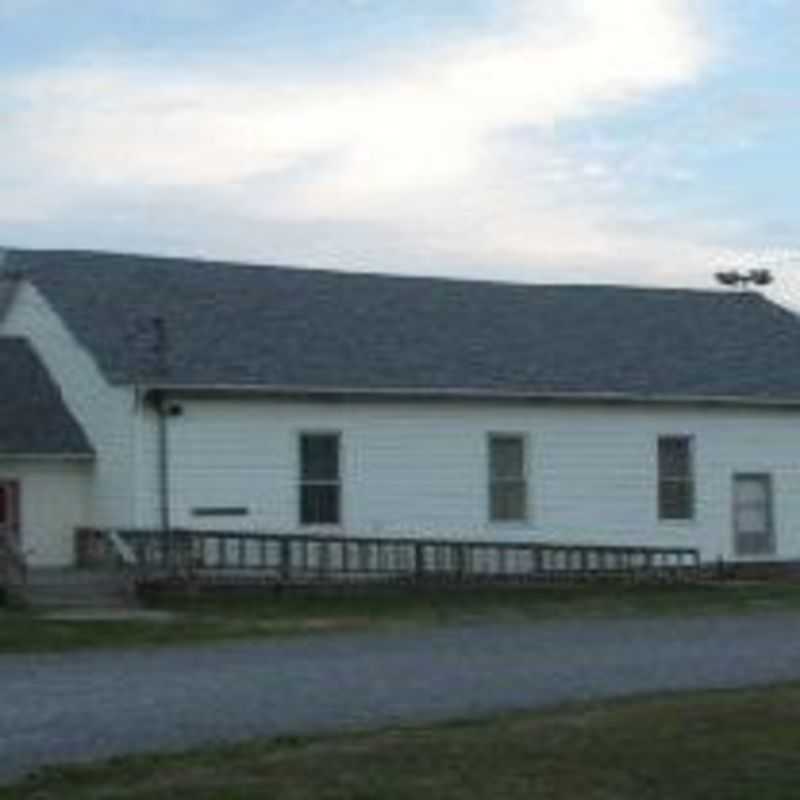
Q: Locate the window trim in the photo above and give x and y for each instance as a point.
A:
(767, 479)
(524, 479)
(691, 480)
(338, 483)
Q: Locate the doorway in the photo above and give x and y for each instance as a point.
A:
(10, 510)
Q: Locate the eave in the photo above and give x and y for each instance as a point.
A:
(344, 393)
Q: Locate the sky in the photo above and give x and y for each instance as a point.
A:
(619, 141)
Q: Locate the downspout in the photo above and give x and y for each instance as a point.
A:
(139, 421)
(162, 412)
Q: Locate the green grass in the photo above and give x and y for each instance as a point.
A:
(699, 746)
(22, 631)
(223, 616)
(441, 606)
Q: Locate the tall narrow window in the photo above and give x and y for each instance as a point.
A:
(320, 484)
(507, 480)
(675, 478)
(752, 514)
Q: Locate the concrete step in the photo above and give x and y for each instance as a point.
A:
(76, 588)
(71, 576)
(37, 599)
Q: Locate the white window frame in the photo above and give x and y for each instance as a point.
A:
(301, 482)
(491, 482)
(768, 547)
(691, 480)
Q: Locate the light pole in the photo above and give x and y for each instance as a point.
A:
(742, 280)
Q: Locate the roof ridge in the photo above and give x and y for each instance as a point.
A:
(206, 262)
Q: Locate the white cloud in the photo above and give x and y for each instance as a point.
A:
(409, 148)
(419, 119)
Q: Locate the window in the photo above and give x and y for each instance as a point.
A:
(675, 478)
(507, 482)
(320, 485)
(752, 514)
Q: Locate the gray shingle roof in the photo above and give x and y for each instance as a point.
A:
(280, 327)
(33, 417)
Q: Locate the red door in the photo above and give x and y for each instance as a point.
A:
(10, 509)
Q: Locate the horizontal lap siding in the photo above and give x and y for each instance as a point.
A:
(105, 412)
(53, 504)
(420, 469)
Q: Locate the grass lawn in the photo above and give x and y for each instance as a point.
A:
(707, 745)
(220, 616)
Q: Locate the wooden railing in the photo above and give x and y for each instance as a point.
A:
(299, 559)
(13, 567)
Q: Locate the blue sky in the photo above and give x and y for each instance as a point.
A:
(633, 141)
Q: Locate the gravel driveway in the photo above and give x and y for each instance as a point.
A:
(68, 707)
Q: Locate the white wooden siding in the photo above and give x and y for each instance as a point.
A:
(53, 503)
(421, 468)
(104, 411)
(417, 468)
